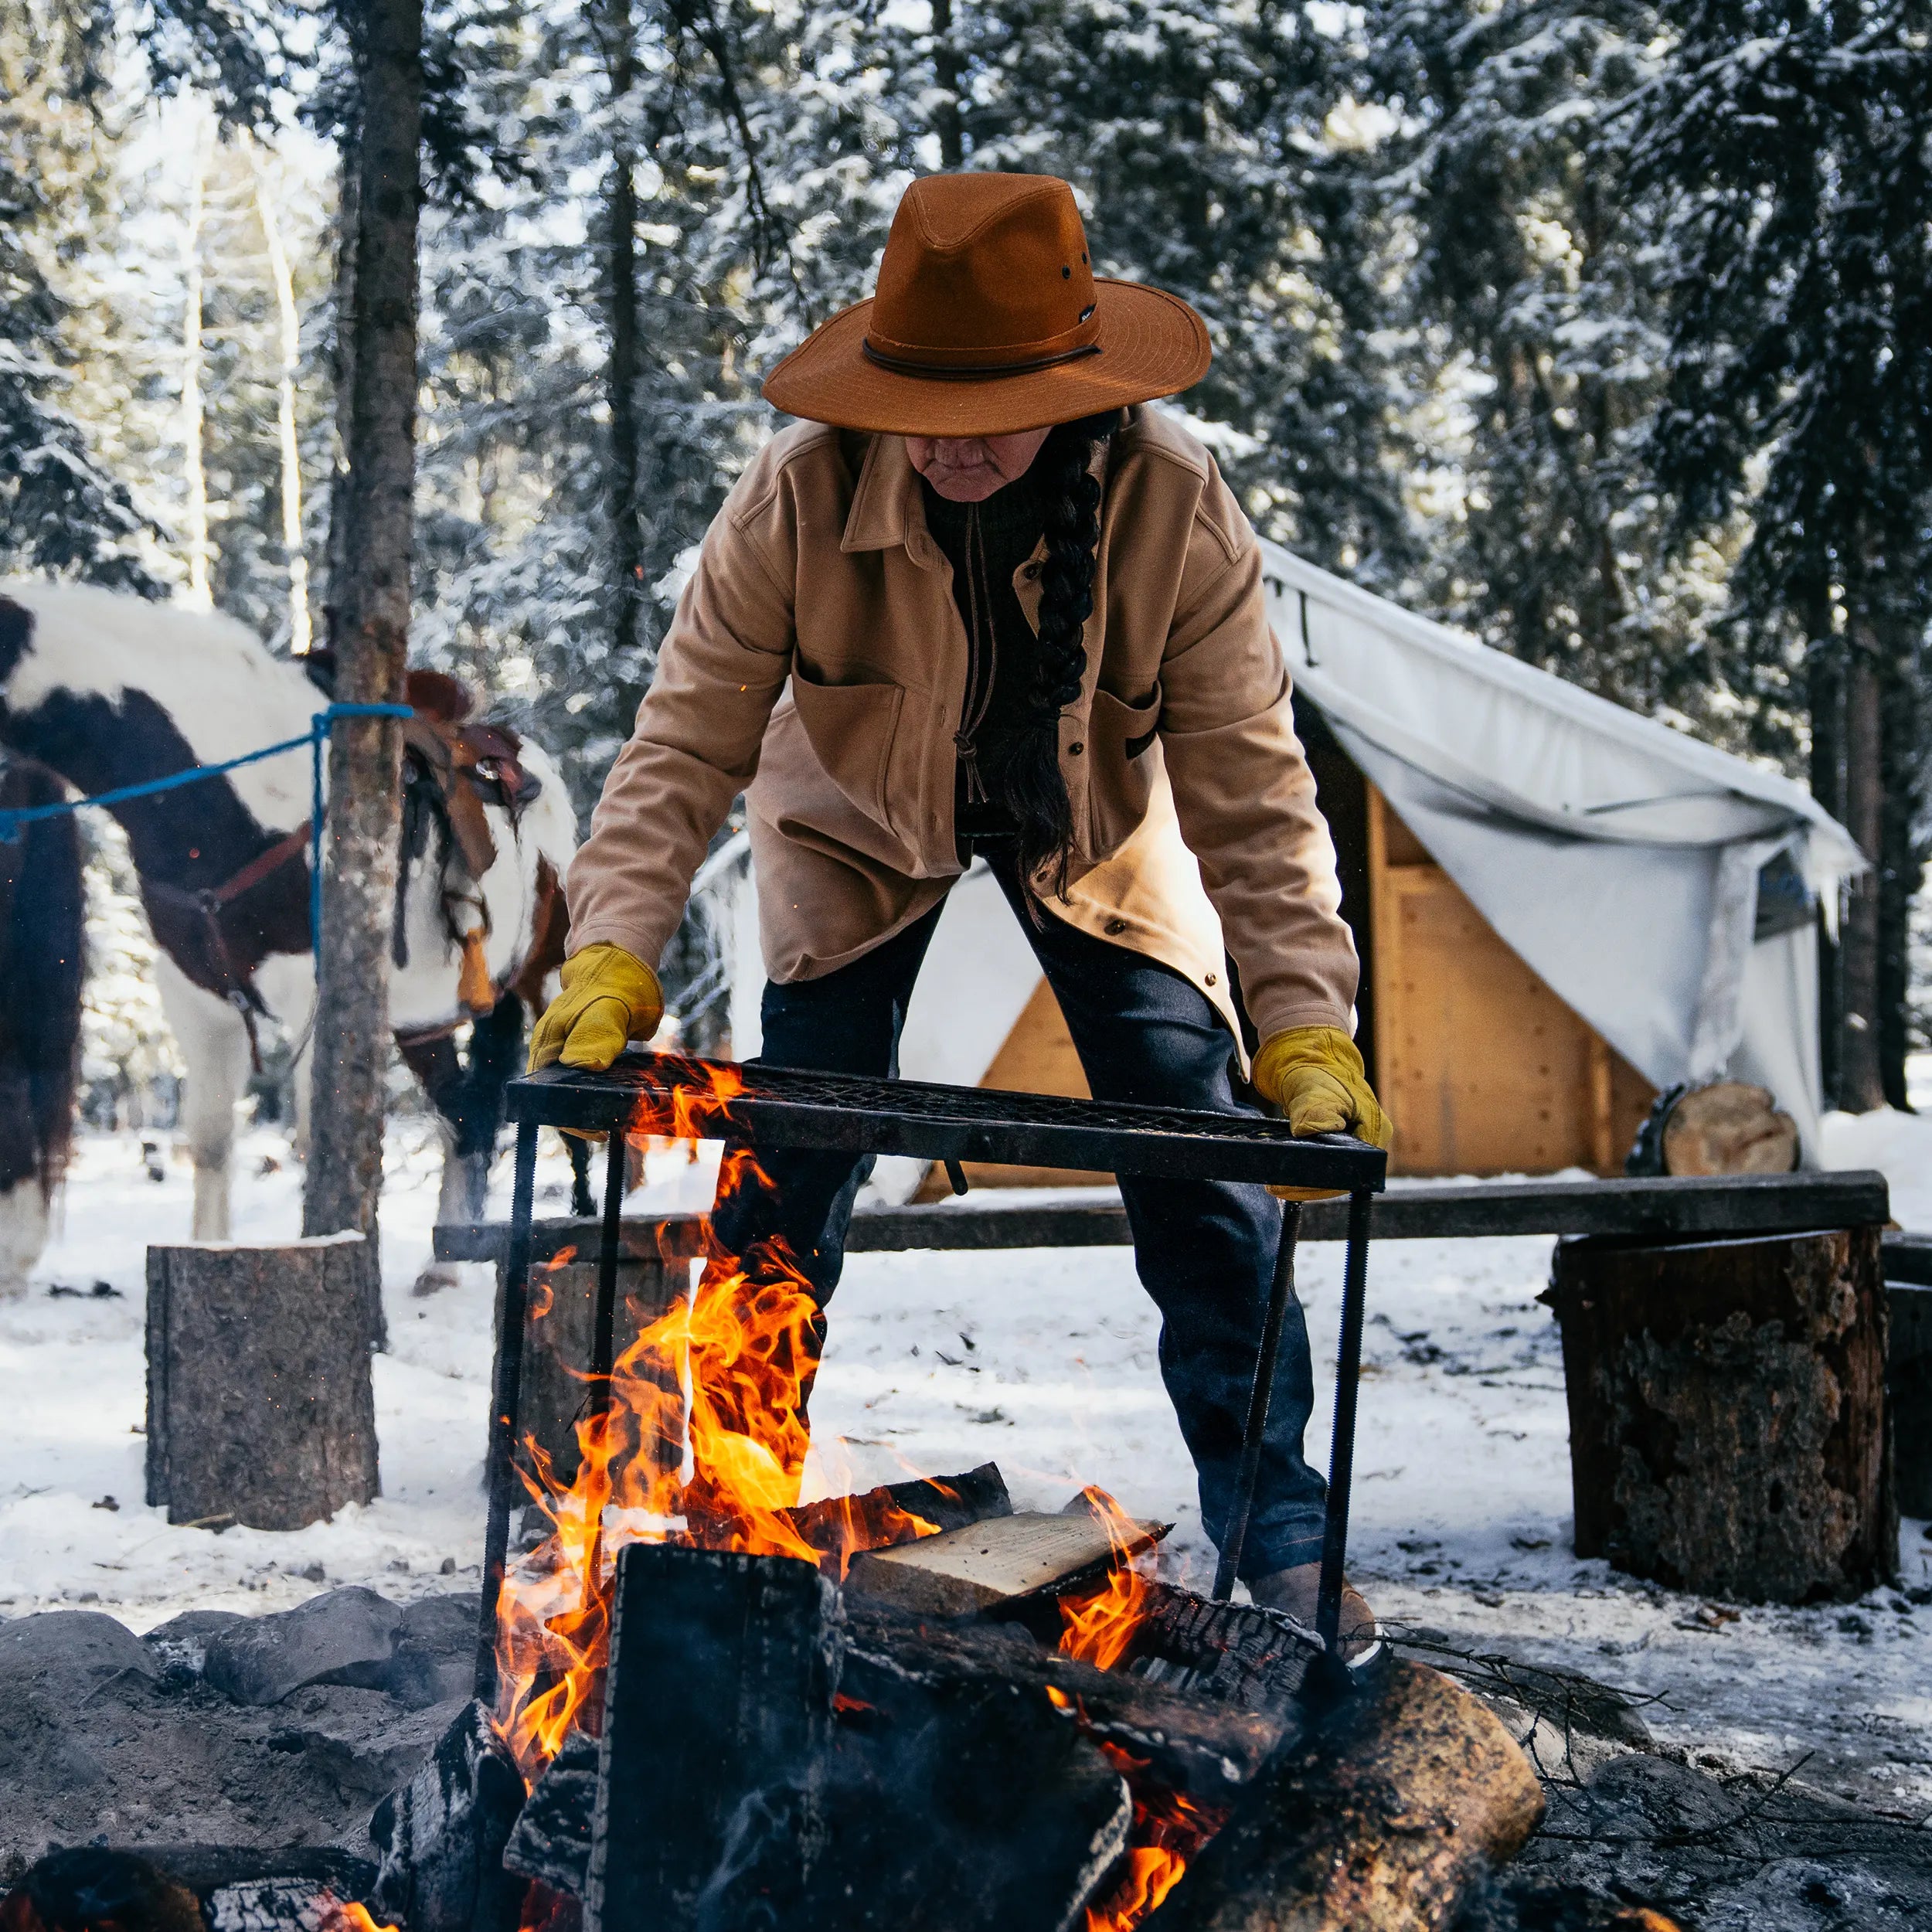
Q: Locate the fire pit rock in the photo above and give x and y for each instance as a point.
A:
(112, 1738)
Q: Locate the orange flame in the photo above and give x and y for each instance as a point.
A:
(703, 1440)
(339, 1915)
(1169, 1827)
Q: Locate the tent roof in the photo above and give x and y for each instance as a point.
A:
(1518, 742)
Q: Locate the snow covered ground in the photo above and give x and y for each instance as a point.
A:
(1043, 1361)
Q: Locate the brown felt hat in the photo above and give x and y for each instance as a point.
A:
(988, 319)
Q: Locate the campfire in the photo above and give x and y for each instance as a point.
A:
(696, 1444)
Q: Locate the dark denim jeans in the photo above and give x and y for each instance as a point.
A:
(1204, 1249)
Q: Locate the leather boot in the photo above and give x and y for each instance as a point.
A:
(1296, 1590)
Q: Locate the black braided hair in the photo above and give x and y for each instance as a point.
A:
(1023, 769)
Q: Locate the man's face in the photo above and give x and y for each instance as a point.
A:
(968, 469)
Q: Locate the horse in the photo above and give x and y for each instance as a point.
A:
(99, 690)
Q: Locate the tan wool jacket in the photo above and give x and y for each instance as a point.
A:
(818, 662)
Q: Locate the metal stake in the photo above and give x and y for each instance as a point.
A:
(603, 1334)
(1280, 1292)
(1335, 1533)
(512, 1300)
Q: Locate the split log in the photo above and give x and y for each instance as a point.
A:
(440, 1838)
(260, 1407)
(1729, 1127)
(947, 1502)
(717, 1737)
(1204, 1749)
(964, 1572)
(555, 1397)
(1908, 1390)
(1387, 1816)
(1727, 1413)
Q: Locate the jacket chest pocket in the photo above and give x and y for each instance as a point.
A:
(851, 728)
(1123, 755)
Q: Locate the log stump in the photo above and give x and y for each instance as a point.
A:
(1727, 1425)
(260, 1407)
(555, 1397)
(1908, 1391)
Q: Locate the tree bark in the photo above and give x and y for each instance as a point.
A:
(1862, 1086)
(948, 71)
(260, 1410)
(622, 369)
(352, 1036)
(1727, 1424)
(1824, 678)
(1900, 867)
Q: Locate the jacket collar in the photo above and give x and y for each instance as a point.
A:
(885, 503)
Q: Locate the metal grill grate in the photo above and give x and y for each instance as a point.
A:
(781, 1107)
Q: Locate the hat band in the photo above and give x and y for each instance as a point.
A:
(967, 372)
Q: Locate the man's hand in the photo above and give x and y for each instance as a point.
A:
(610, 997)
(1315, 1075)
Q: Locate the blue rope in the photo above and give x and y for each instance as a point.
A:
(14, 819)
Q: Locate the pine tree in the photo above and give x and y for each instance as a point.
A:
(1786, 141)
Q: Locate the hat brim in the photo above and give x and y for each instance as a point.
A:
(1151, 344)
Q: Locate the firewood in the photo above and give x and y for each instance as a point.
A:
(1236, 1653)
(260, 1407)
(1206, 1750)
(551, 1841)
(1729, 1128)
(1385, 1815)
(440, 1838)
(1727, 1424)
(947, 1502)
(717, 1735)
(969, 1570)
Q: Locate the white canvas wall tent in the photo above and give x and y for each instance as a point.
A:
(1664, 892)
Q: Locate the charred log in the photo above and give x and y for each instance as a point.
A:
(1388, 1815)
(441, 1837)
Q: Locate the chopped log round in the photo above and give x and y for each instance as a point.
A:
(1729, 1128)
(1727, 1412)
(1386, 1816)
(260, 1407)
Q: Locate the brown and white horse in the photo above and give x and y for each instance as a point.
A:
(106, 690)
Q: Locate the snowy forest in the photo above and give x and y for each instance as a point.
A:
(1603, 330)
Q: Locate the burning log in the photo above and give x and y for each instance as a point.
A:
(441, 1837)
(717, 1736)
(1727, 1423)
(1206, 1750)
(836, 1523)
(260, 1407)
(963, 1571)
(1384, 1816)
(551, 1843)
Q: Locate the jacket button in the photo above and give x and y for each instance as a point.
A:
(1210, 979)
(1116, 927)
(1031, 571)
(1075, 749)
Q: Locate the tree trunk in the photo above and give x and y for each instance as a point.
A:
(1727, 1425)
(342, 369)
(1824, 676)
(1900, 866)
(260, 1410)
(948, 71)
(194, 471)
(352, 1037)
(622, 370)
(1862, 1086)
(300, 637)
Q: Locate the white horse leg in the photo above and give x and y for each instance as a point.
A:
(465, 1187)
(214, 1043)
(23, 1233)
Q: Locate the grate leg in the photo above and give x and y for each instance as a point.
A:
(1334, 1538)
(1280, 1292)
(603, 1334)
(512, 1300)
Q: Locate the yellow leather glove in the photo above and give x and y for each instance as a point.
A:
(1315, 1075)
(609, 997)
